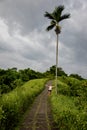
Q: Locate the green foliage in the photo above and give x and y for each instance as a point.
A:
(15, 103)
(7, 80)
(69, 107)
(11, 78)
(51, 72)
(55, 17)
(76, 76)
(60, 71)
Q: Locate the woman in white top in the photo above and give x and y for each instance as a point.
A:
(49, 89)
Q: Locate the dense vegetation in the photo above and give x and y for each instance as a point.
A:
(69, 107)
(11, 78)
(19, 88)
(15, 103)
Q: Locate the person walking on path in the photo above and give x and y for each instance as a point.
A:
(49, 89)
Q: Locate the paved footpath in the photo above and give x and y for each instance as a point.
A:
(39, 117)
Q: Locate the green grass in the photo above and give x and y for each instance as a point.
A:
(14, 104)
(69, 107)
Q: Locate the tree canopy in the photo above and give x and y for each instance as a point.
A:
(56, 16)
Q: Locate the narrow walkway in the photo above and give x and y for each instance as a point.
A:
(39, 117)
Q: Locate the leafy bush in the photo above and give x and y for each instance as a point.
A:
(63, 88)
(11, 78)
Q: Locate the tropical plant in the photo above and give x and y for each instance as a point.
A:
(56, 17)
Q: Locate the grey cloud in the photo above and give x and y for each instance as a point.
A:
(26, 16)
(5, 47)
(75, 36)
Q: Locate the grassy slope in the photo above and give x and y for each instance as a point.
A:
(15, 103)
(69, 107)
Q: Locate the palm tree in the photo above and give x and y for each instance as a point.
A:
(56, 17)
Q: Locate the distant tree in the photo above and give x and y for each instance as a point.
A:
(11, 78)
(2, 71)
(51, 72)
(14, 68)
(56, 17)
(52, 69)
(76, 76)
(28, 74)
(60, 71)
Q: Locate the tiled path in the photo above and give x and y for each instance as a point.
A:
(39, 117)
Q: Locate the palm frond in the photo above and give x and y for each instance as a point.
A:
(48, 15)
(57, 12)
(56, 16)
(50, 27)
(65, 16)
(58, 9)
(53, 22)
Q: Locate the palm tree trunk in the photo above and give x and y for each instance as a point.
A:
(56, 64)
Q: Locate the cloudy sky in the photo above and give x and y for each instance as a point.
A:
(24, 42)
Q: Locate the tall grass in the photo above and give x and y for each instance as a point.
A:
(69, 107)
(15, 103)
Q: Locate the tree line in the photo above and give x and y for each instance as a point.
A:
(12, 78)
